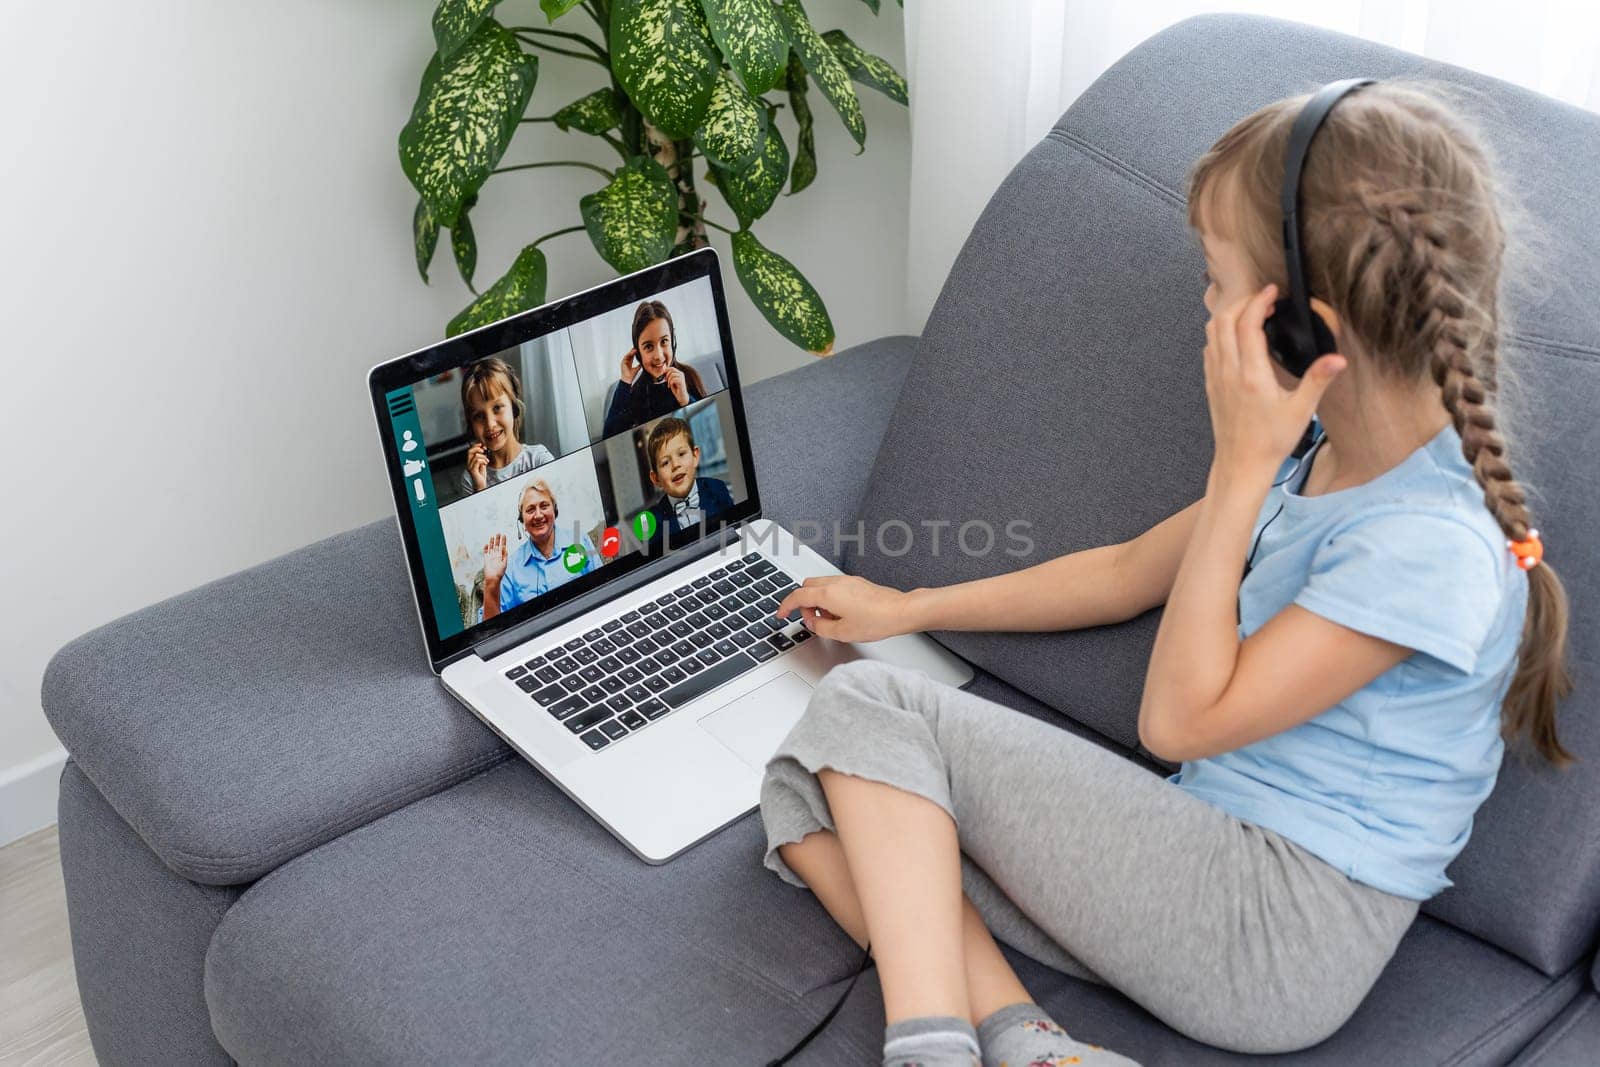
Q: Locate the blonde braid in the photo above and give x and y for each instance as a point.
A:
(1458, 332)
(1457, 342)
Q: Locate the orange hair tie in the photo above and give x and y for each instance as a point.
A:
(1528, 552)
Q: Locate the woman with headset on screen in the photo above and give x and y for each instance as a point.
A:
(538, 565)
(652, 381)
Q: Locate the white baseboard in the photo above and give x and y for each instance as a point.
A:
(28, 795)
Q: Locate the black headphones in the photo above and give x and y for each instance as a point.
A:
(1296, 335)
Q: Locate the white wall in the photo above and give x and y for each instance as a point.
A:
(1003, 72)
(208, 245)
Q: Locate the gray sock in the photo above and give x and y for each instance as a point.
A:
(930, 1041)
(1024, 1035)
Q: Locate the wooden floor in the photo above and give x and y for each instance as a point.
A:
(41, 1021)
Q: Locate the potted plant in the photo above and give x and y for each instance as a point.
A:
(686, 80)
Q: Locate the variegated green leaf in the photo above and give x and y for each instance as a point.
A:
(872, 4)
(872, 71)
(805, 152)
(522, 288)
(596, 113)
(751, 39)
(554, 9)
(633, 221)
(664, 57)
(464, 243)
(466, 111)
(782, 293)
(425, 236)
(832, 78)
(454, 22)
(751, 189)
(731, 131)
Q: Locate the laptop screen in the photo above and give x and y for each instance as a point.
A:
(538, 458)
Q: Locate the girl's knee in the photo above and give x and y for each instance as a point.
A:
(867, 681)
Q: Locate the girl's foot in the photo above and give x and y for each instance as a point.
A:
(1022, 1035)
(931, 1041)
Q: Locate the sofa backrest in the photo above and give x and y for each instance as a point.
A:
(1059, 382)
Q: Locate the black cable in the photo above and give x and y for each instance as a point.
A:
(1249, 560)
(866, 958)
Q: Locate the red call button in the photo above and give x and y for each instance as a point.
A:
(610, 543)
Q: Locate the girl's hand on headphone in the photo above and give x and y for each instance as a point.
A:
(678, 384)
(494, 560)
(478, 467)
(852, 608)
(1255, 420)
(630, 366)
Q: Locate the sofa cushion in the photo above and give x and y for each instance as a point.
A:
(235, 738)
(1571, 1040)
(497, 922)
(1060, 384)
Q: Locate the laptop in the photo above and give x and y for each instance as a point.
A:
(593, 574)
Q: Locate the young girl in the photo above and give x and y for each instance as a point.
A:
(491, 402)
(651, 381)
(1339, 715)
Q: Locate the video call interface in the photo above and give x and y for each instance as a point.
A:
(557, 458)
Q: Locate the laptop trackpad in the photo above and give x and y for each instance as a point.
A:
(753, 725)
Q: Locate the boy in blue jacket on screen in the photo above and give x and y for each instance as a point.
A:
(674, 469)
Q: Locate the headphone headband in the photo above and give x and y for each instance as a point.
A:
(1306, 125)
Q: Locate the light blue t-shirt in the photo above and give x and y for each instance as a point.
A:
(531, 456)
(1383, 785)
(529, 574)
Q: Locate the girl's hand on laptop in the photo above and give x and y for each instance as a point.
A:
(852, 608)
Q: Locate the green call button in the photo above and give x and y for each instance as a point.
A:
(574, 559)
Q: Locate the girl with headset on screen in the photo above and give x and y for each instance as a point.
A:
(652, 381)
(491, 406)
(1339, 715)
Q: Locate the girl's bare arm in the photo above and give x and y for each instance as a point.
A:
(1088, 588)
(1111, 583)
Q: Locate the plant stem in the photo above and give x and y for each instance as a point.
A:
(557, 233)
(616, 142)
(708, 222)
(545, 118)
(536, 43)
(580, 38)
(555, 163)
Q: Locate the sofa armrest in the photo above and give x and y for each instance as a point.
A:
(243, 723)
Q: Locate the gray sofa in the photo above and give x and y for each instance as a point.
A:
(284, 843)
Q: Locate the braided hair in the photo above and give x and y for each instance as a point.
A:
(1404, 238)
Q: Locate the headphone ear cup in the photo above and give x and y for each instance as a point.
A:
(1322, 338)
(1286, 343)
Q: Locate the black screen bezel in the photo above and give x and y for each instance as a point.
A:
(495, 339)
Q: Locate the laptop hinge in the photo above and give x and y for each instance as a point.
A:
(494, 646)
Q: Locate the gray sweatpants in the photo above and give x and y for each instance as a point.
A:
(1224, 930)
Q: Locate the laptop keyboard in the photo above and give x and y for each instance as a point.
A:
(646, 663)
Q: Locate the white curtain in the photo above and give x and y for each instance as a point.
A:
(989, 79)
